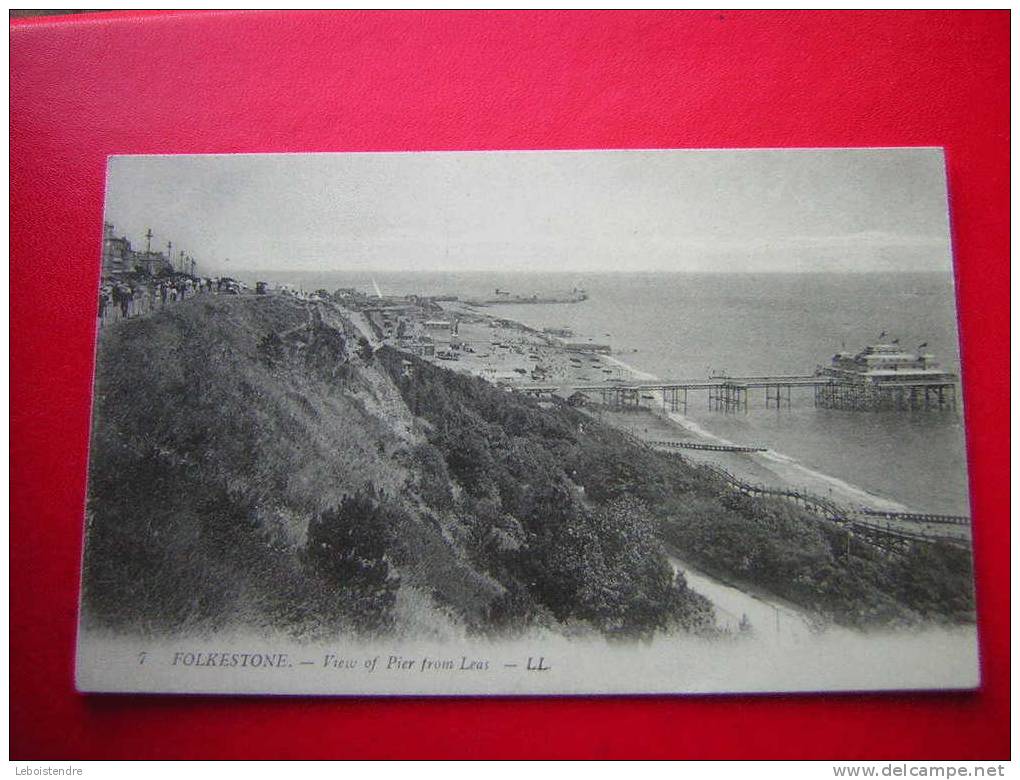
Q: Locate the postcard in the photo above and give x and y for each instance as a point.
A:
(530, 422)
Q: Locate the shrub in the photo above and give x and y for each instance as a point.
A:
(349, 546)
(432, 481)
(365, 349)
(270, 349)
(166, 546)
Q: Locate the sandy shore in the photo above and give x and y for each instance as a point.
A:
(768, 467)
(511, 353)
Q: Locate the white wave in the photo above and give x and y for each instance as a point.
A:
(634, 372)
(703, 433)
(845, 490)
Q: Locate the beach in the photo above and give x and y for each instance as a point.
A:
(516, 355)
(510, 352)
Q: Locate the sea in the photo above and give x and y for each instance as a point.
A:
(688, 326)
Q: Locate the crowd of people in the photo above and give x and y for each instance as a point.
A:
(121, 299)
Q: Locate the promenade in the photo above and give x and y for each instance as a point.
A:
(125, 300)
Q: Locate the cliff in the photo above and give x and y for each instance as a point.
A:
(256, 465)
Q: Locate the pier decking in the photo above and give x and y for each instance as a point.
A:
(732, 394)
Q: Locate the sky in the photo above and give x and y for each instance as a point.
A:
(572, 211)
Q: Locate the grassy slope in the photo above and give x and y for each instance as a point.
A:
(252, 467)
(771, 544)
(223, 427)
(193, 383)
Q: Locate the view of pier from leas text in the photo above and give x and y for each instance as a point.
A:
(531, 422)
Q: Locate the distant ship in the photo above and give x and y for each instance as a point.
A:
(503, 296)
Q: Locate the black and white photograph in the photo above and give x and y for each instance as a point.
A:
(527, 422)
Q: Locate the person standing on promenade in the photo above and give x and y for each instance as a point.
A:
(116, 295)
(126, 298)
(104, 299)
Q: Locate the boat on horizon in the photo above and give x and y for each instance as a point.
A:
(575, 295)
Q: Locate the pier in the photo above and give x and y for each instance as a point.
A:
(899, 396)
(733, 394)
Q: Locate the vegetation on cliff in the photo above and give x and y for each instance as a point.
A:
(255, 464)
(485, 435)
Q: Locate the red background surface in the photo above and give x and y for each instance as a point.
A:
(128, 82)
